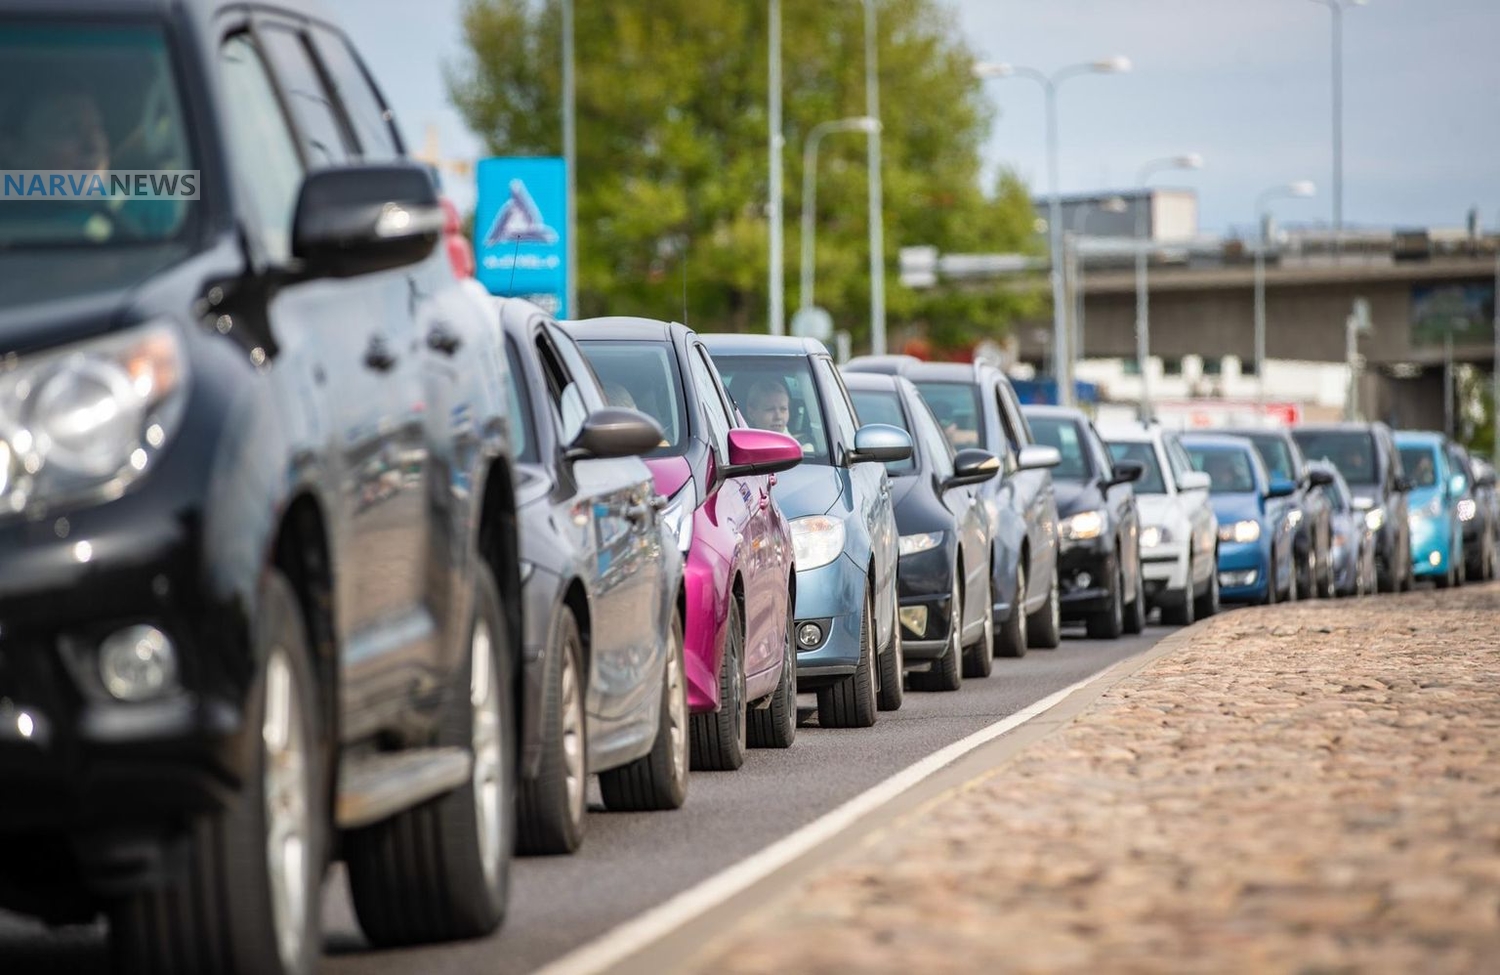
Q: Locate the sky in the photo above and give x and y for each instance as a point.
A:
(1246, 83)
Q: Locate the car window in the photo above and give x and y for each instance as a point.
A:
(1007, 423)
(1421, 465)
(1176, 458)
(1351, 451)
(373, 128)
(776, 392)
(935, 445)
(884, 406)
(85, 100)
(1064, 434)
(522, 427)
(1459, 464)
(840, 409)
(1275, 454)
(956, 406)
(719, 423)
(1229, 471)
(643, 376)
(257, 130)
(318, 125)
(1151, 481)
(1023, 429)
(562, 389)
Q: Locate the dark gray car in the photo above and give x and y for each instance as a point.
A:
(1308, 508)
(1366, 454)
(977, 407)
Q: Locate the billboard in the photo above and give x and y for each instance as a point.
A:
(520, 229)
(1465, 308)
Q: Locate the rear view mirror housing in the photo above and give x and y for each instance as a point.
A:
(1125, 472)
(361, 219)
(880, 442)
(1038, 457)
(972, 466)
(615, 432)
(760, 452)
(1194, 481)
(1317, 477)
(1281, 487)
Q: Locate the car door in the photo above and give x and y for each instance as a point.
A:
(966, 504)
(1035, 494)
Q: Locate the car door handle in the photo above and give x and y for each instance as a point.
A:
(378, 356)
(442, 340)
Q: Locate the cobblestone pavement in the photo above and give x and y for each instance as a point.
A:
(1313, 788)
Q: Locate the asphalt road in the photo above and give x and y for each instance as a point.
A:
(632, 862)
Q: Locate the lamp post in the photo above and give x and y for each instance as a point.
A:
(1189, 160)
(776, 285)
(1299, 189)
(859, 123)
(1495, 365)
(570, 158)
(1337, 7)
(877, 220)
(1050, 83)
(1113, 204)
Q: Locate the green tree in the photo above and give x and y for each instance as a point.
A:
(672, 162)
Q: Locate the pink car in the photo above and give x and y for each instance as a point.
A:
(716, 475)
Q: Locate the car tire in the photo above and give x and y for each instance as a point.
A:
(1207, 604)
(657, 780)
(775, 725)
(550, 808)
(850, 703)
(220, 913)
(719, 738)
(440, 871)
(892, 688)
(1135, 610)
(1108, 624)
(979, 656)
(1185, 612)
(1010, 636)
(1044, 627)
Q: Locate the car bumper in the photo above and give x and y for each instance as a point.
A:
(830, 597)
(1165, 572)
(1244, 571)
(925, 595)
(1084, 571)
(1431, 546)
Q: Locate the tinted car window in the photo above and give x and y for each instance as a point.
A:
(318, 125)
(880, 406)
(362, 104)
(1276, 455)
(76, 99)
(936, 448)
(522, 429)
(1007, 423)
(719, 423)
(1152, 481)
(1352, 452)
(643, 376)
(256, 129)
(777, 393)
(1066, 436)
(563, 390)
(956, 406)
(1229, 471)
(840, 408)
(1421, 465)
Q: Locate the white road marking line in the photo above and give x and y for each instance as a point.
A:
(632, 936)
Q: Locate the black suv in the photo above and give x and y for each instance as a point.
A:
(259, 585)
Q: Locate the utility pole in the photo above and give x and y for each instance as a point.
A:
(776, 285)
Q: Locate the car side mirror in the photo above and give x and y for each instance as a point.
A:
(361, 219)
(760, 452)
(1194, 481)
(1038, 457)
(615, 432)
(1281, 487)
(1404, 484)
(1125, 472)
(1457, 485)
(880, 442)
(972, 466)
(1317, 477)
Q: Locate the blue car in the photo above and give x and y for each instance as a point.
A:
(838, 504)
(1257, 552)
(1437, 541)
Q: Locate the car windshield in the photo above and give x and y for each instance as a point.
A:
(1229, 471)
(1352, 452)
(956, 406)
(93, 145)
(1420, 466)
(1275, 454)
(776, 392)
(1151, 481)
(879, 406)
(643, 376)
(1064, 434)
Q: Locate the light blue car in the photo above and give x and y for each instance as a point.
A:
(1437, 541)
(838, 504)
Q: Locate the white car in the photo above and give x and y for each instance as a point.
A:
(1179, 532)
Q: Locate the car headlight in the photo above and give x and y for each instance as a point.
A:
(677, 516)
(1085, 524)
(1467, 510)
(90, 416)
(1240, 531)
(816, 540)
(924, 542)
(1154, 535)
(1374, 518)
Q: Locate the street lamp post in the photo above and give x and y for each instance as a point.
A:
(1495, 365)
(1050, 83)
(1337, 7)
(776, 284)
(877, 220)
(1189, 160)
(570, 159)
(859, 123)
(1299, 189)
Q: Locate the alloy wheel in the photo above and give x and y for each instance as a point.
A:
(284, 737)
(484, 696)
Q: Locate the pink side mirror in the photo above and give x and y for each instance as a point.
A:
(760, 452)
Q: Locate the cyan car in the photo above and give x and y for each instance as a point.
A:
(838, 503)
(1437, 541)
(1256, 539)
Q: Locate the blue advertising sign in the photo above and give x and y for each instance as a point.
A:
(520, 230)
